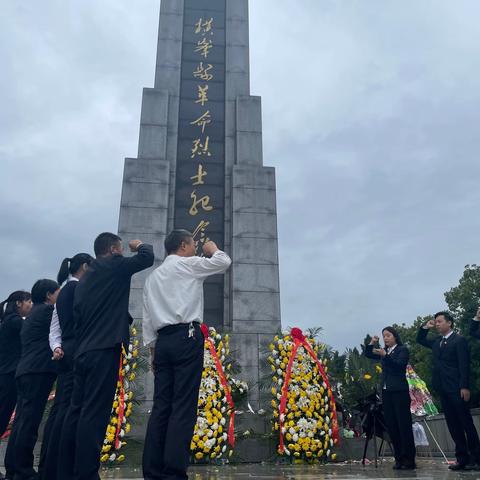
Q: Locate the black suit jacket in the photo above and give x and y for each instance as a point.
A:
(475, 329)
(101, 300)
(451, 362)
(10, 343)
(36, 354)
(67, 326)
(394, 367)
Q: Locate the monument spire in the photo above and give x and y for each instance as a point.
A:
(200, 167)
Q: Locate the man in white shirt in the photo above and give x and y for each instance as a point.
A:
(172, 314)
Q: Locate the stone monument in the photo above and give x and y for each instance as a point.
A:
(200, 167)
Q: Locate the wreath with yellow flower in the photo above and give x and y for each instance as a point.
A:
(304, 412)
(119, 425)
(214, 435)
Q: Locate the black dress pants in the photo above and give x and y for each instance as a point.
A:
(47, 431)
(398, 420)
(33, 390)
(8, 399)
(48, 465)
(83, 431)
(178, 366)
(461, 427)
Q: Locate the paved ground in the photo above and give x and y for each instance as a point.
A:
(427, 470)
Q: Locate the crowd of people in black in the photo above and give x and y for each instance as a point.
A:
(450, 380)
(71, 332)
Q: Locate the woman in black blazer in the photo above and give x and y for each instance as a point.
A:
(62, 344)
(35, 375)
(395, 395)
(12, 311)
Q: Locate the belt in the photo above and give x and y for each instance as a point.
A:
(178, 326)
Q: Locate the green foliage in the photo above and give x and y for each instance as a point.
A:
(359, 379)
(348, 370)
(463, 301)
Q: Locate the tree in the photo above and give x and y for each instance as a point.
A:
(463, 301)
(359, 379)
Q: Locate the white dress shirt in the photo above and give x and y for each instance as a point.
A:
(55, 335)
(173, 292)
(388, 351)
(448, 335)
(391, 349)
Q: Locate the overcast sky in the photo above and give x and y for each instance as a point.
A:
(371, 115)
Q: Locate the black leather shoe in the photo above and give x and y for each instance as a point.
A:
(457, 466)
(397, 466)
(408, 466)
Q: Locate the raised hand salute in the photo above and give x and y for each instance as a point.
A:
(451, 380)
(134, 244)
(475, 325)
(429, 325)
(395, 395)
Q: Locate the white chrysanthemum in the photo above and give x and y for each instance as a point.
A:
(303, 402)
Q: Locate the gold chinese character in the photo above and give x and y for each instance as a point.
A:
(203, 121)
(203, 47)
(199, 148)
(201, 227)
(204, 202)
(202, 95)
(200, 232)
(199, 176)
(204, 27)
(202, 72)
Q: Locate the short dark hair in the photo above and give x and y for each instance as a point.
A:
(104, 242)
(10, 304)
(394, 333)
(448, 317)
(175, 238)
(41, 288)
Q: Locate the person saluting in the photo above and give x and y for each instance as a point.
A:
(475, 325)
(102, 323)
(172, 314)
(451, 380)
(395, 395)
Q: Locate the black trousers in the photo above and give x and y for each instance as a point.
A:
(178, 366)
(33, 390)
(461, 427)
(47, 433)
(83, 431)
(47, 468)
(398, 420)
(8, 399)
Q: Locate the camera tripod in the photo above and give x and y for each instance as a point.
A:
(373, 425)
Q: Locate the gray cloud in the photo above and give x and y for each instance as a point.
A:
(371, 119)
(370, 115)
